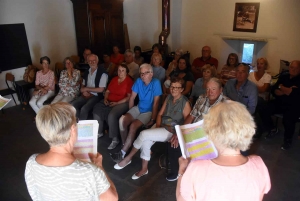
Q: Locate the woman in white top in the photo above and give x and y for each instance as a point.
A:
(57, 174)
(263, 82)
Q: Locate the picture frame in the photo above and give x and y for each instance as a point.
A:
(246, 17)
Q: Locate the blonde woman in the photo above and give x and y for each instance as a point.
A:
(158, 71)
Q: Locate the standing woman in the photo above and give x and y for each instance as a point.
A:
(116, 57)
(69, 82)
(229, 70)
(44, 85)
(114, 105)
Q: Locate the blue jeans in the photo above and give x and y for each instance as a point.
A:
(83, 106)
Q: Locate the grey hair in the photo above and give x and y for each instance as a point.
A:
(148, 66)
(92, 55)
(129, 51)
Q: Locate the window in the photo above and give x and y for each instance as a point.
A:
(247, 52)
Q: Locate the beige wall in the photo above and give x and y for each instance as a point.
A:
(49, 27)
(195, 23)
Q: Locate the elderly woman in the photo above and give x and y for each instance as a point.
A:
(158, 71)
(182, 71)
(116, 57)
(173, 65)
(229, 70)
(199, 87)
(69, 82)
(57, 174)
(44, 85)
(138, 59)
(206, 101)
(230, 176)
(114, 105)
(173, 112)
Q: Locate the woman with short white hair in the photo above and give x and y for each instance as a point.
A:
(230, 176)
(57, 174)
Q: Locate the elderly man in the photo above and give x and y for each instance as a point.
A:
(133, 67)
(241, 89)
(201, 61)
(148, 90)
(93, 86)
(287, 102)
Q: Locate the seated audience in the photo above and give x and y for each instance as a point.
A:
(242, 90)
(44, 85)
(69, 82)
(229, 70)
(148, 90)
(206, 101)
(156, 48)
(173, 65)
(116, 57)
(114, 104)
(132, 66)
(86, 53)
(173, 112)
(199, 87)
(287, 98)
(263, 81)
(199, 62)
(182, 71)
(230, 176)
(57, 174)
(158, 71)
(138, 59)
(108, 66)
(93, 86)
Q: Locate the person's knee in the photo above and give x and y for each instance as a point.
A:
(123, 123)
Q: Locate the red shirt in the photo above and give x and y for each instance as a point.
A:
(198, 63)
(119, 91)
(117, 59)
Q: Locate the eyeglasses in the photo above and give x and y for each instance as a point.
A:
(175, 88)
(145, 73)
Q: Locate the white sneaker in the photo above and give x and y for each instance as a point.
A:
(100, 135)
(113, 144)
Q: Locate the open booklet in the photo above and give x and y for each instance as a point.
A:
(3, 102)
(194, 143)
(87, 141)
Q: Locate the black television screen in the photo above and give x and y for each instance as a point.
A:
(14, 49)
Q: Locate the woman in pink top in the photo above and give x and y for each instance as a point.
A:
(44, 85)
(231, 176)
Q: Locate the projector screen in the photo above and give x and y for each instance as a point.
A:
(14, 49)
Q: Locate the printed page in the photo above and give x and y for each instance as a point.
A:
(197, 146)
(3, 102)
(87, 141)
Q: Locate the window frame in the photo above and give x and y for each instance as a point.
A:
(241, 50)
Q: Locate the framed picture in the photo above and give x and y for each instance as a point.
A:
(245, 17)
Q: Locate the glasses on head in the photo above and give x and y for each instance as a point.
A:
(145, 73)
(175, 88)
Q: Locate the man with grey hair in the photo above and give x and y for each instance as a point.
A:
(93, 86)
(287, 98)
(148, 90)
(241, 89)
(132, 66)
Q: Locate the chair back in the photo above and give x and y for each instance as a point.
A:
(11, 78)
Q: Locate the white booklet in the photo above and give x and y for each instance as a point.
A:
(87, 141)
(194, 143)
(3, 102)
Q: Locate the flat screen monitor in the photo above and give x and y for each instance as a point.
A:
(14, 49)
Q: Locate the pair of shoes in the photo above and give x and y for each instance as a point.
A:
(286, 146)
(271, 134)
(172, 177)
(113, 144)
(100, 135)
(117, 157)
(117, 167)
(134, 177)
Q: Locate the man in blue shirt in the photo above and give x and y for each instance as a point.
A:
(148, 90)
(241, 89)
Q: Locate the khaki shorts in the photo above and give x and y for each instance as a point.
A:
(136, 114)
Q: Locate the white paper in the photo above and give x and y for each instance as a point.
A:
(3, 102)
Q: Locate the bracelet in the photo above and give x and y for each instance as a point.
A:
(179, 175)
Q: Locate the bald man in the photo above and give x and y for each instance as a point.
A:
(199, 62)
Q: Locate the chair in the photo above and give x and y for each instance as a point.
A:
(10, 87)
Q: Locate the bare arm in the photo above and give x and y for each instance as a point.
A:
(188, 88)
(131, 99)
(189, 119)
(154, 112)
(161, 112)
(263, 88)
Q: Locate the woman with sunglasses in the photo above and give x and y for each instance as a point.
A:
(173, 112)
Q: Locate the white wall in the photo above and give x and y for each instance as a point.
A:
(50, 29)
(195, 23)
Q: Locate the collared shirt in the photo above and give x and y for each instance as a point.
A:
(91, 80)
(246, 94)
(202, 106)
